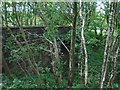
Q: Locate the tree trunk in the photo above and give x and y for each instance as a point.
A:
(72, 49)
(113, 73)
(6, 22)
(59, 79)
(115, 49)
(35, 14)
(80, 63)
(55, 58)
(84, 45)
(107, 47)
(6, 68)
(85, 52)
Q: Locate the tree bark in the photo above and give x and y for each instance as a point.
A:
(85, 52)
(107, 47)
(6, 68)
(35, 17)
(6, 22)
(84, 44)
(55, 58)
(115, 49)
(72, 49)
(113, 73)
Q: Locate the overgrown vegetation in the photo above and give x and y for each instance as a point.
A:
(61, 45)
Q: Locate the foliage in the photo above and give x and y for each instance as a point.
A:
(34, 62)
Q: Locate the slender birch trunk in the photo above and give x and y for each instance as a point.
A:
(115, 49)
(107, 47)
(84, 44)
(80, 63)
(86, 56)
(113, 73)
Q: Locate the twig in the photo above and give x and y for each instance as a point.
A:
(64, 45)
